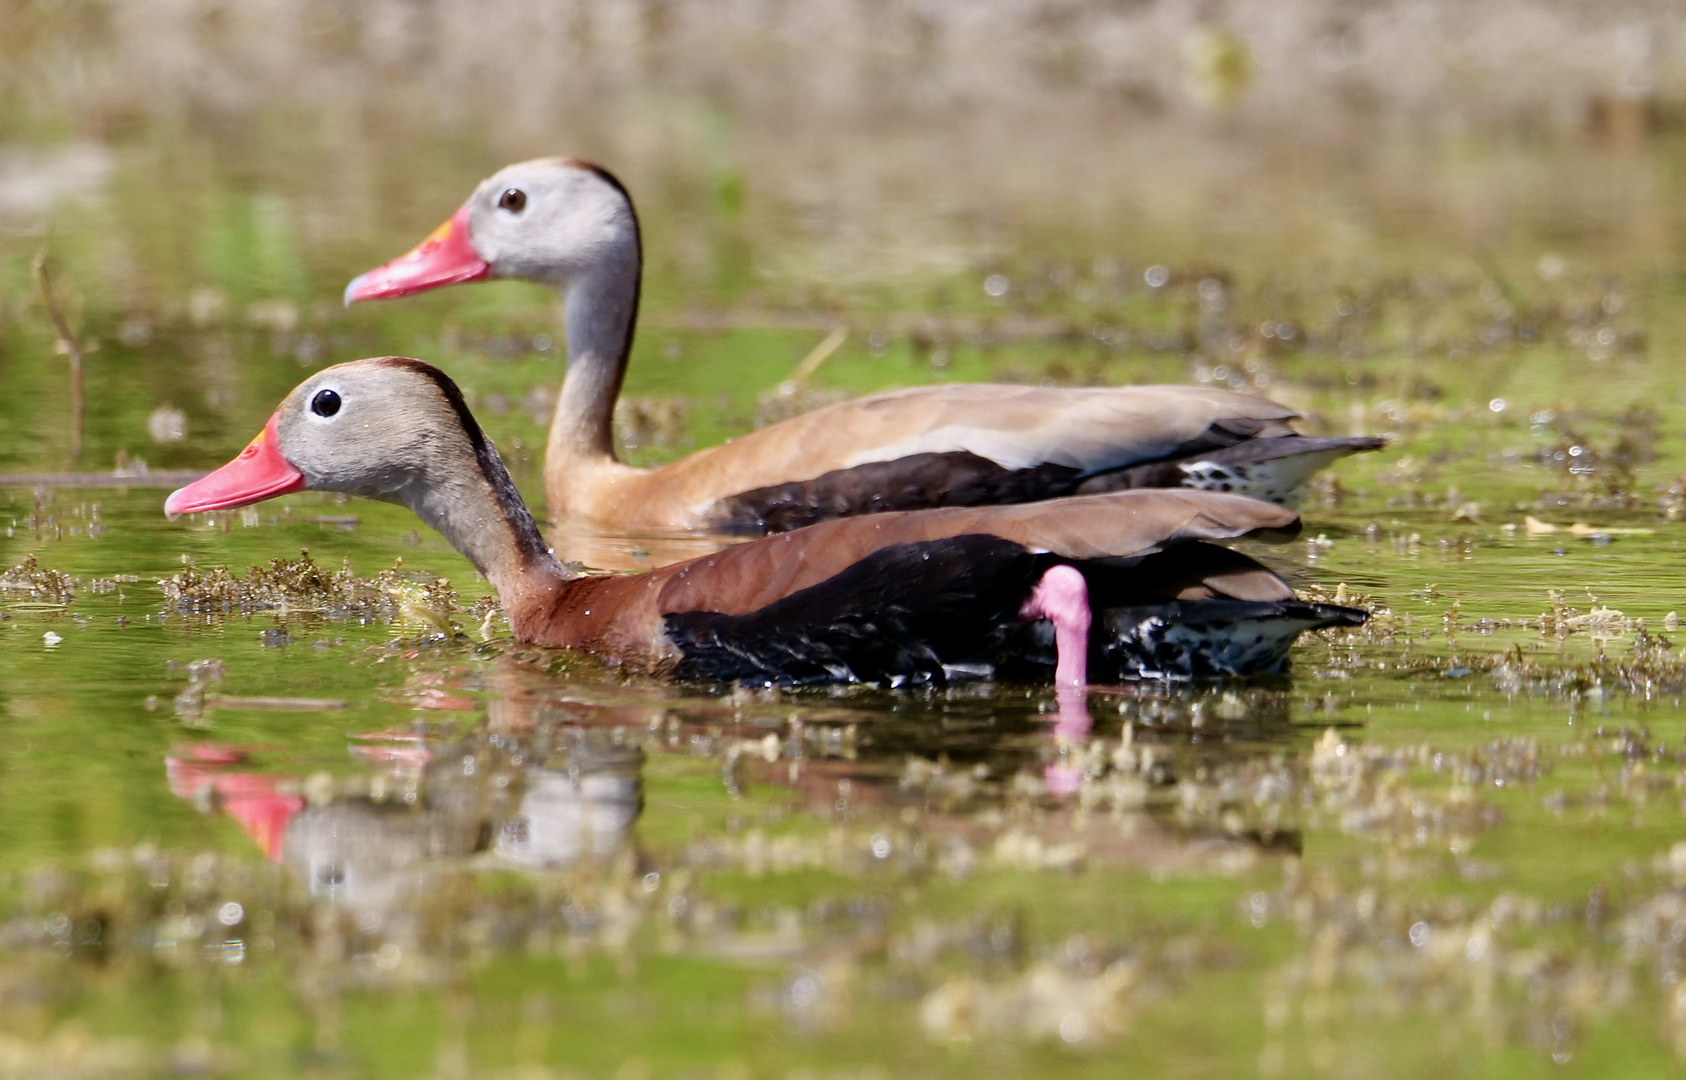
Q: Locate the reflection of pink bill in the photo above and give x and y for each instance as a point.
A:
(406, 749)
(255, 800)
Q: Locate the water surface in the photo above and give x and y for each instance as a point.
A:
(309, 833)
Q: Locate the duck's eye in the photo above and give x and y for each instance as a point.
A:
(513, 199)
(325, 403)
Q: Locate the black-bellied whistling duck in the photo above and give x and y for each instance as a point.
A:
(882, 597)
(570, 225)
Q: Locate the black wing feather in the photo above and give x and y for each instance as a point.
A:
(904, 611)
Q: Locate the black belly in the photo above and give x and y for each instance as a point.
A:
(923, 612)
(902, 613)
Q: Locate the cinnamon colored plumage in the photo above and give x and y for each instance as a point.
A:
(886, 597)
(570, 225)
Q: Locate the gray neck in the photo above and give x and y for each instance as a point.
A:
(601, 309)
(480, 511)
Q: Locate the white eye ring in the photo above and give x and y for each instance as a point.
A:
(326, 403)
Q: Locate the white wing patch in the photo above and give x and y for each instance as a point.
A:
(1280, 480)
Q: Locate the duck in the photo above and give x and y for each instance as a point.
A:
(570, 225)
(1134, 583)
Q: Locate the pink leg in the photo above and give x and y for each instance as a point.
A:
(1062, 597)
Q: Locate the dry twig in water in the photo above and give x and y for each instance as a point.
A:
(67, 345)
(818, 355)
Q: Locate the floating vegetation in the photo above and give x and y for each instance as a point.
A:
(1603, 475)
(1521, 969)
(1363, 788)
(653, 423)
(29, 584)
(295, 587)
(1049, 1002)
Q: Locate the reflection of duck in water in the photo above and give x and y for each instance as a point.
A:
(579, 809)
(473, 797)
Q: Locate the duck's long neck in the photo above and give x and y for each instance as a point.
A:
(601, 309)
(480, 511)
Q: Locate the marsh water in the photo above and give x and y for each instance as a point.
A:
(325, 818)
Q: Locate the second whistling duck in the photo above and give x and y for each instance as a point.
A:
(1127, 581)
(570, 225)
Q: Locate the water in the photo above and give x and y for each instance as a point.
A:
(326, 841)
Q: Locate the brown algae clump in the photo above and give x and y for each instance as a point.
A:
(302, 586)
(37, 585)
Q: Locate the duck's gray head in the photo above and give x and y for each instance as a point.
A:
(551, 221)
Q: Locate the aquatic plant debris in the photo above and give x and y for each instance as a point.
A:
(1535, 527)
(33, 583)
(299, 586)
